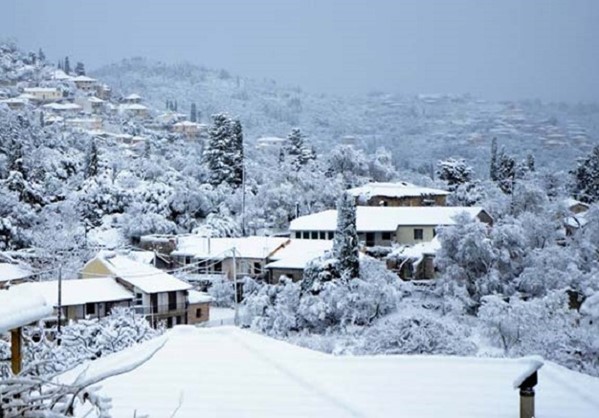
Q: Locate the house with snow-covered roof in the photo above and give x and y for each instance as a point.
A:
(156, 294)
(83, 298)
(397, 194)
(84, 83)
(386, 225)
(188, 129)
(13, 273)
(44, 94)
(131, 99)
(133, 109)
(245, 256)
(283, 380)
(291, 260)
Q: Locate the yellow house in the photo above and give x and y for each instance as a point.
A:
(156, 294)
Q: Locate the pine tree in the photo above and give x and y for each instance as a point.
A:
(217, 148)
(193, 116)
(60, 66)
(298, 149)
(91, 160)
(586, 177)
(67, 65)
(41, 56)
(493, 164)
(506, 172)
(345, 244)
(79, 69)
(455, 172)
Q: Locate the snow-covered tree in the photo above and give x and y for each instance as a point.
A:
(455, 172)
(493, 163)
(67, 65)
(193, 116)
(223, 154)
(586, 177)
(346, 244)
(79, 68)
(92, 160)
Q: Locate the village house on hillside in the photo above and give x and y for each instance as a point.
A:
(156, 294)
(44, 94)
(397, 194)
(84, 298)
(385, 226)
(291, 260)
(85, 83)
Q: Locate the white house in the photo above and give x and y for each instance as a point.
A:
(133, 109)
(385, 225)
(44, 94)
(85, 83)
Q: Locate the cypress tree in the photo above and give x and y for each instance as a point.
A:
(67, 65)
(493, 164)
(193, 116)
(79, 69)
(91, 160)
(345, 244)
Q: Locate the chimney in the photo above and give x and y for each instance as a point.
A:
(527, 396)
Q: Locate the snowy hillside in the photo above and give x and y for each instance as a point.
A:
(418, 130)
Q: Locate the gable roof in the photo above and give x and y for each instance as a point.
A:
(79, 292)
(372, 218)
(298, 252)
(12, 271)
(280, 379)
(221, 248)
(147, 278)
(398, 190)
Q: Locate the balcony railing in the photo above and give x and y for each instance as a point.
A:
(160, 309)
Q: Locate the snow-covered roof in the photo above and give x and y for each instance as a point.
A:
(17, 100)
(61, 75)
(373, 218)
(417, 252)
(62, 106)
(132, 106)
(187, 123)
(220, 248)
(133, 97)
(79, 292)
(198, 297)
(19, 307)
(147, 278)
(11, 271)
(40, 90)
(400, 189)
(83, 78)
(94, 99)
(298, 253)
(190, 372)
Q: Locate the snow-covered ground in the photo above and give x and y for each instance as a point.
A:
(221, 316)
(228, 372)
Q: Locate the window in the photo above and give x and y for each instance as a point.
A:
(306, 235)
(331, 235)
(322, 235)
(218, 266)
(386, 236)
(199, 313)
(172, 301)
(257, 268)
(370, 239)
(418, 233)
(298, 235)
(314, 235)
(90, 308)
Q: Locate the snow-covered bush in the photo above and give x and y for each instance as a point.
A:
(222, 291)
(416, 332)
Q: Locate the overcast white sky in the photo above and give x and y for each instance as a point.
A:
(498, 49)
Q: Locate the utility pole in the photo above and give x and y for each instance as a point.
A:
(236, 318)
(59, 303)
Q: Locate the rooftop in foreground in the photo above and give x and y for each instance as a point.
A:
(228, 372)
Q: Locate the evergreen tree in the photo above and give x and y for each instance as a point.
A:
(41, 56)
(345, 244)
(60, 66)
(217, 148)
(493, 164)
(91, 160)
(586, 177)
(67, 66)
(455, 172)
(193, 116)
(297, 149)
(530, 162)
(80, 69)
(236, 153)
(506, 172)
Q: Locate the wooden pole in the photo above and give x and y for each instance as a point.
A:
(15, 350)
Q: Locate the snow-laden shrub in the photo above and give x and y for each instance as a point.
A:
(222, 291)
(416, 332)
(544, 326)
